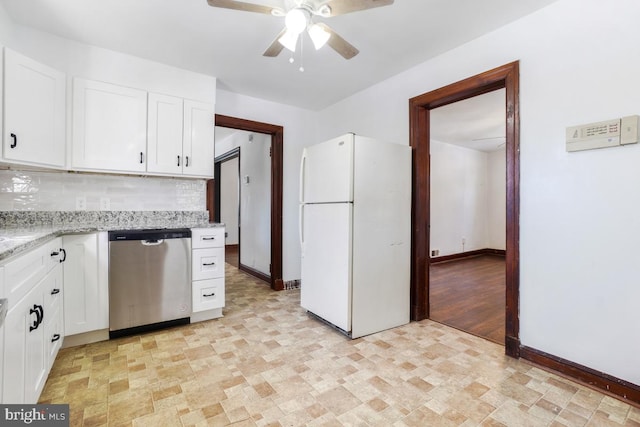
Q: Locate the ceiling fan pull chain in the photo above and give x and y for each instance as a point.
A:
(301, 69)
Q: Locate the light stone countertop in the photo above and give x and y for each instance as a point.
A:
(22, 231)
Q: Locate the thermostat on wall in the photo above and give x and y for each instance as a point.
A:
(611, 133)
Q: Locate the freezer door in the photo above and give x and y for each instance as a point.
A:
(326, 171)
(326, 262)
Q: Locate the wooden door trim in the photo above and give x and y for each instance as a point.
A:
(507, 77)
(277, 137)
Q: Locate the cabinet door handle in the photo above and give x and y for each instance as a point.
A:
(178, 160)
(186, 164)
(212, 294)
(64, 255)
(15, 140)
(141, 157)
(55, 337)
(55, 291)
(35, 322)
(39, 312)
(208, 263)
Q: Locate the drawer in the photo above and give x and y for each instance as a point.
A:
(56, 254)
(207, 237)
(208, 294)
(53, 289)
(207, 263)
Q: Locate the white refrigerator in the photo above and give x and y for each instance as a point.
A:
(355, 233)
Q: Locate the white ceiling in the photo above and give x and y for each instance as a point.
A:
(228, 44)
(477, 123)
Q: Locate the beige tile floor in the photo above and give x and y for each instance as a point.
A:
(266, 363)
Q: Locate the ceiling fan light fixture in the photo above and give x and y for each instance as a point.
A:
(296, 21)
(289, 40)
(318, 35)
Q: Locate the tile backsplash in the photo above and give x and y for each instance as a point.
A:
(69, 191)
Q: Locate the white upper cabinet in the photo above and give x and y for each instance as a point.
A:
(34, 112)
(197, 144)
(179, 136)
(109, 127)
(164, 135)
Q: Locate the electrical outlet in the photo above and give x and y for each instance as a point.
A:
(435, 252)
(81, 203)
(105, 203)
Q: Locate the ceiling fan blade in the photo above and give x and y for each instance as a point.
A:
(337, 43)
(238, 5)
(276, 47)
(340, 7)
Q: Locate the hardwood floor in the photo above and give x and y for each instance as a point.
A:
(469, 295)
(231, 255)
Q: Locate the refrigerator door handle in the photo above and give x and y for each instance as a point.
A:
(302, 167)
(301, 226)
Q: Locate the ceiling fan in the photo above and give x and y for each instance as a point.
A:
(299, 16)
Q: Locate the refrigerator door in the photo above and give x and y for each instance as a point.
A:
(326, 262)
(326, 171)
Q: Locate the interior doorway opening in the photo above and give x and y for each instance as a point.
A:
(507, 77)
(227, 203)
(467, 213)
(275, 133)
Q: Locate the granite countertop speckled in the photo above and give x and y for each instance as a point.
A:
(22, 231)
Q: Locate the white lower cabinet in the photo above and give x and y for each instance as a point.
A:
(207, 273)
(33, 328)
(86, 296)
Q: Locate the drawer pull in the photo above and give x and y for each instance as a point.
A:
(55, 291)
(55, 337)
(208, 238)
(207, 264)
(213, 294)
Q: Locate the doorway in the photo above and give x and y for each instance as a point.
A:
(227, 202)
(276, 135)
(505, 77)
(467, 213)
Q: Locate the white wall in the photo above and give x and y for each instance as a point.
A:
(459, 199)
(468, 191)
(299, 131)
(497, 199)
(578, 256)
(229, 199)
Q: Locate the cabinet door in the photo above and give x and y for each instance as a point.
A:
(197, 142)
(164, 135)
(85, 291)
(2, 295)
(34, 112)
(25, 365)
(109, 127)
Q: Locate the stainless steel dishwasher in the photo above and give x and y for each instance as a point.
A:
(149, 280)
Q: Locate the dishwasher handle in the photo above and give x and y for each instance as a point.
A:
(152, 242)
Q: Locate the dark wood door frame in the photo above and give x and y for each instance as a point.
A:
(507, 77)
(277, 133)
